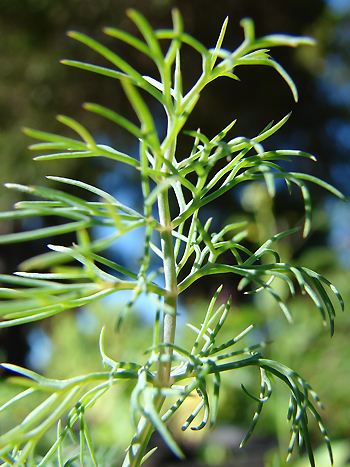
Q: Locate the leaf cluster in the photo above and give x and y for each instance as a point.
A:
(69, 277)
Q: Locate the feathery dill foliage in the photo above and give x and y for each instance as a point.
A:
(167, 374)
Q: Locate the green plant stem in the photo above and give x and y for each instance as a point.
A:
(139, 443)
(169, 325)
(138, 446)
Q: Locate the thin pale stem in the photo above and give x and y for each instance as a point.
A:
(145, 428)
(139, 443)
(169, 325)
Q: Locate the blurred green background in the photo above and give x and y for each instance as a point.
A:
(34, 87)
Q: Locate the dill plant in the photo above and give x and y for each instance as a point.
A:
(73, 276)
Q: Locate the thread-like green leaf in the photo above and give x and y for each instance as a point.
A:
(106, 53)
(151, 413)
(184, 37)
(128, 39)
(249, 29)
(54, 195)
(143, 113)
(79, 129)
(219, 42)
(114, 117)
(100, 70)
(44, 232)
(271, 130)
(283, 40)
(319, 182)
(115, 59)
(287, 78)
(147, 31)
(113, 74)
(63, 141)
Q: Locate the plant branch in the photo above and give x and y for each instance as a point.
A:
(138, 446)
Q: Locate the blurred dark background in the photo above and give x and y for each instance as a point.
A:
(34, 87)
